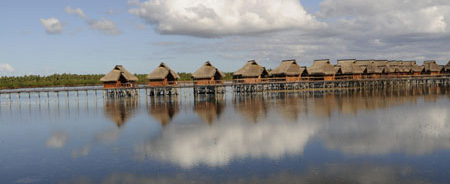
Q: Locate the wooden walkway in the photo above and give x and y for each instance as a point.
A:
(237, 87)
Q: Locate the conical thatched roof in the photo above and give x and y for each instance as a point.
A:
(432, 66)
(115, 74)
(161, 73)
(348, 66)
(387, 68)
(288, 68)
(370, 65)
(251, 69)
(207, 71)
(321, 67)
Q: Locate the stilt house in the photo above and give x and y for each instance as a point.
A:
(208, 74)
(163, 76)
(289, 71)
(251, 72)
(322, 70)
(119, 77)
(350, 70)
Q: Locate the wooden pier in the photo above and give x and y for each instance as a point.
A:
(219, 88)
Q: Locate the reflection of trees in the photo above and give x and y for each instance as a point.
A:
(120, 110)
(252, 106)
(163, 109)
(209, 107)
(329, 173)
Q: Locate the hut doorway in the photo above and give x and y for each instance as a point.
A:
(217, 76)
(170, 77)
(122, 80)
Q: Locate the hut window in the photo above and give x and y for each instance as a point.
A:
(122, 79)
(170, 77)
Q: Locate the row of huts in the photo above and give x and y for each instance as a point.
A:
(288, 71)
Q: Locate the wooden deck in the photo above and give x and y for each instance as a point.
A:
(237, 86)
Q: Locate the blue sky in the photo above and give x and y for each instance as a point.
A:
(142, 39)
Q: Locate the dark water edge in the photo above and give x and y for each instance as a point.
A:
(395, 135)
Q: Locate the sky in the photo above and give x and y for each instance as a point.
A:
(90, 37)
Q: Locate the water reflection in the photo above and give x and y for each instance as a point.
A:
(253, 106)
(163, 109)
(328, 173)
(209, 107)
(120, 110)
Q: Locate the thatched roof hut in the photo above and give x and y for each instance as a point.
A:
(119, 73)
(321, 67)
(432, 67)
(251, 70)
(208, 71)
(163, 72)
(348, 66)
(288, 68)
(370, 65)
(385, 65)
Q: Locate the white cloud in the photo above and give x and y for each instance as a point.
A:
(105, 26)
(6, 68)
(52, 25)
(76, 11)
(213, 18)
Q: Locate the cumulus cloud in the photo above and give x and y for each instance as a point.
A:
(76, 11)
(52, 25)
(6, 68)
(214, 18)
(103, 25)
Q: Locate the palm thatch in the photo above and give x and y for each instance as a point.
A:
(116, 73)
(207, 71)
(162, 72)
(432, 66)
(385, 65)
(321, 67)
(348, 66)
(370, 66)
(251, 69)
(288, 68)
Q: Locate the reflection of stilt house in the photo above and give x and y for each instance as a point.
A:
(372, 69)
(251, 72)
(120, 111)
(252, 107)
(163, 76)
(349, 70)
(209, 109)
(432, 68)
(322, 70)
(208, 74)
(119, 78)
(289, 71)
(163, 111)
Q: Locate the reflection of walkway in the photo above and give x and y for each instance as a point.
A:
(120, 110)
(163, 109)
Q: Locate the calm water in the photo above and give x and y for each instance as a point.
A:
(391, 136)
